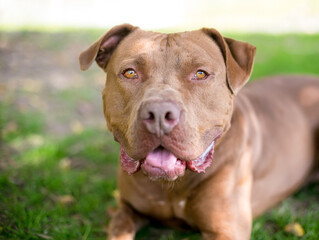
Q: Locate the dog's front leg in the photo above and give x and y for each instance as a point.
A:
(124, 223)
(221, 207)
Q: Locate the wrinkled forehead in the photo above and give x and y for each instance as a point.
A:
(194, 45)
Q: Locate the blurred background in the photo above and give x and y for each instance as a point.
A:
(274, 16)
(57, 161)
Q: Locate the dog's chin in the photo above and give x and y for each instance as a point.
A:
(163, 164)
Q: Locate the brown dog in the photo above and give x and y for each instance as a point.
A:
(169, 100)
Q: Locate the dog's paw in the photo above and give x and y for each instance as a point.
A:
(124, 236)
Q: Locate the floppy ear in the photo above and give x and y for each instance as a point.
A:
(239, 59)
(101, 51)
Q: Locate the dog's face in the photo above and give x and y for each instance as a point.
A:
(168, 98)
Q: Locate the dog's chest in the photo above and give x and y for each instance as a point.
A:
(164, 207)
(178, 207)
(160, 205)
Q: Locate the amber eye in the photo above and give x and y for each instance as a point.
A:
(200, 75)
(130, 74)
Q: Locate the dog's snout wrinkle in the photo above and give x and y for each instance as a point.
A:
(160, 117)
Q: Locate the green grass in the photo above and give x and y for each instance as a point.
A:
(35, 178)
(38, 169)
(281, 54)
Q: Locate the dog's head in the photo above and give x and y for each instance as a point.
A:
(168, 97)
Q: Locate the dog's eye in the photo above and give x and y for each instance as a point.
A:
(200, 75)
(130, 74)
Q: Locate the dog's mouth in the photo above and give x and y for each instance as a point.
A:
(163, 164)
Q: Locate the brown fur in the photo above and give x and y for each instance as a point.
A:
(266, 150)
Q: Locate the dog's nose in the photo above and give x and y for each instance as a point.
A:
(160, 117)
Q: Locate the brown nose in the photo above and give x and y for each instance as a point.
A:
(160, 117)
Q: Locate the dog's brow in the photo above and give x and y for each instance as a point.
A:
(138, 60)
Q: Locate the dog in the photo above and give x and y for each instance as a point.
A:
(194, 149)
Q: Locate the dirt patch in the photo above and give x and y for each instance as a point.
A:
(40, 72)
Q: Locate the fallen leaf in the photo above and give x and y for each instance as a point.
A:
(66, 199)
(116, 194)
(44, 236)
(37, 103)
(32, 85)
(65, 163)
(76, 127)
(295, 228)
(35, 140)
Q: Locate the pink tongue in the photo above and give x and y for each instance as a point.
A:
(161, 158)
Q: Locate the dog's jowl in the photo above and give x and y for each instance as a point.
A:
(198, 148)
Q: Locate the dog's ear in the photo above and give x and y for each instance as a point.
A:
(101, 51)
(239, 59)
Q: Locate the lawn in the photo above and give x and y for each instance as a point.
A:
(57, 161)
